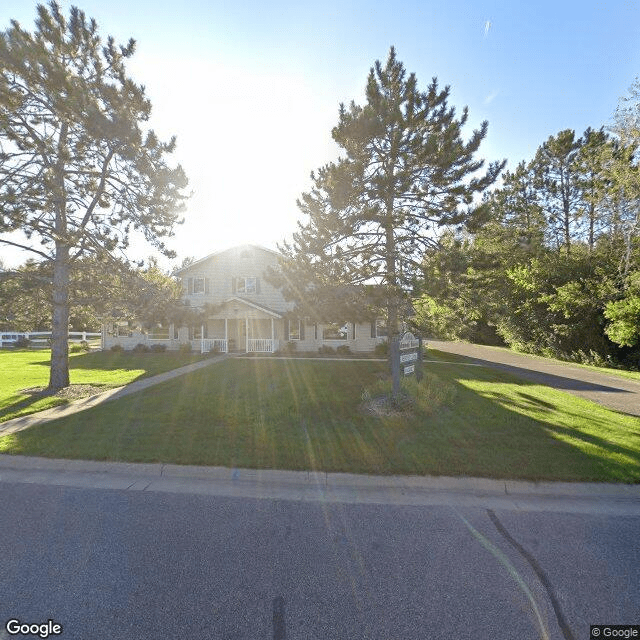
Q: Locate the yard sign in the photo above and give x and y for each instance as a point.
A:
(405, 358)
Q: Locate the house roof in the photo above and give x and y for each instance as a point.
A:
(217, 253)
(271, 312)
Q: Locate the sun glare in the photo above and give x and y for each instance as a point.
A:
(248, 149)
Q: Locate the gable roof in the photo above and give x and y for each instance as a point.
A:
(222, 251)
(248, 303)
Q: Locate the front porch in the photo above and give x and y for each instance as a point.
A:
(241, 327)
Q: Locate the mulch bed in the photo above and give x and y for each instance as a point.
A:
(72, 392)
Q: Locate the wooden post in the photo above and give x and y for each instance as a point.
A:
(226, 337)
(273, 337)
(246, 331)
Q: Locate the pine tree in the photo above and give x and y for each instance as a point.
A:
(558, 188)
(406, 172)
(77, 171)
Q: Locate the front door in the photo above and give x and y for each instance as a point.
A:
(237, 332)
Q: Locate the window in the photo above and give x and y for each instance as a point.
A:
(195, 332)
(335, 331)
(198, 285)
(294, 330)
(381, 328)
(159, 332)
(246, 285)
(122, 331)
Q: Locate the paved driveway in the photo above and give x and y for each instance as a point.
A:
(611, 391)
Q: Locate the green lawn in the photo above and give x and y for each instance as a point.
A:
(297, 414)
(28, 369)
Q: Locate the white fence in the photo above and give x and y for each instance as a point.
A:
(260, 345)
(213, 344)
(43, 338)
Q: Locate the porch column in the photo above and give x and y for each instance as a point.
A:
(273, 338)
(201, 338)
(226, 337)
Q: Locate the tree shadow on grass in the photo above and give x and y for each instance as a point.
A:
(18, 405)
(483, 432)
(521, 435)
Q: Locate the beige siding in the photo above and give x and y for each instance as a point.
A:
(238, 262)
(220, 270)
(362, 343)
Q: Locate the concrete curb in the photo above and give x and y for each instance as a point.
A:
(263, 477)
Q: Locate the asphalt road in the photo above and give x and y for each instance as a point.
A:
(107, 563)
(621, 394)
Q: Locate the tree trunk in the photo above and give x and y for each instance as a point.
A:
(392, 309)
(59, 373)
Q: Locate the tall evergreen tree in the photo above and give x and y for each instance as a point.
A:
(405, 173)
(559, 192)
(77, 170)
(592, 183)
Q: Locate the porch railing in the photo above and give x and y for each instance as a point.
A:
(213, 344)
(260, 345)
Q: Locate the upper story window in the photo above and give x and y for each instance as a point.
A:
(246, 285)
(198, 285)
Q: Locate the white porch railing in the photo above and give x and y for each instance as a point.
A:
(260, 345)
(213, 344)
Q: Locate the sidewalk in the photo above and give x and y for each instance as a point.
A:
(61, 411)
(309, 486)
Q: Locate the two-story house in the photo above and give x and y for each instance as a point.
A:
(246, 313)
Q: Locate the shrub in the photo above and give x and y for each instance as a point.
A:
(22, 343)
(117, 347)
(382, 349)
(158, 348)
(79, 346)
(141, 348)
(325, 349)
(344, 350)
(426, 396)
(185, 347)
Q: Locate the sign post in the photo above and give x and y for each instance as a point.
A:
(406, 358)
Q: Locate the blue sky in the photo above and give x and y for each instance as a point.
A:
(251, 89)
